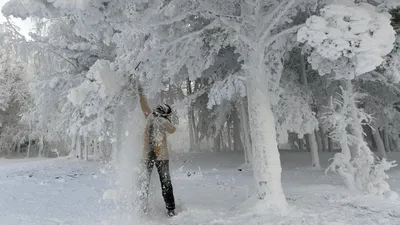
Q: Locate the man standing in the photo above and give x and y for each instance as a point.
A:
(156, 151)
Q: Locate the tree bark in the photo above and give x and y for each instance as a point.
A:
(300, 142)
(330, 144)
(314, 151)
(191, 120)
(73, 153)
(319, 140)
(79, 147)
(245, 129)
(266, 160)
(397, 142)
(379, 143)
(386, 140)
(28, 151)
(237, 140)
(356, 128)
(41, 146)
(217, 143)
(19, 147)
(86, 149)
(324, 138)
(391, 144)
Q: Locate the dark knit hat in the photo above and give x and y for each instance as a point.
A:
(163, 110)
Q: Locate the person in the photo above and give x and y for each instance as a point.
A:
(156, 151)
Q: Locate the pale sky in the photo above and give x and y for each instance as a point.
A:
(25, 25)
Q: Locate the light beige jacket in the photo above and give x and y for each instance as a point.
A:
(161, 127)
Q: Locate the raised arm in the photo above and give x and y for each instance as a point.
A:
(143, 102)
(170, 128)
(166, 125)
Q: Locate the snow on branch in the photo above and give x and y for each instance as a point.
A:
(349, 40)
(226, 89)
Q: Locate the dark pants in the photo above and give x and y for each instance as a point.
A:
(165, 180)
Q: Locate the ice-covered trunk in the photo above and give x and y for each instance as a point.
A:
(391, 144)
(356, 128)
(41, 146)
(237, 140)
(311, 136)
(330, 144)
(319, 141)
(217, 142)
(386, 140)
(342, 162)
(28, 151)
(19, 147)
(245, 130)
(191, 130)
(396, 142)
(96, 149)
(379, 143)
(194, 142)
(78, 146)
(229, 135)
(266, 161)
(314, 151)
(86, 149)
(324, 138)
(72, 152)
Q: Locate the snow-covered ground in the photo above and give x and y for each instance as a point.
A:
(210, 188)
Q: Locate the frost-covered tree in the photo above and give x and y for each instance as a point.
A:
(347, 41)
(176, 40)
(73, 38)
(294, 114)
(263, 33)
(14, 96)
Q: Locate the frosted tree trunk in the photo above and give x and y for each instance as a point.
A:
(237, 140)
(324, 140)
(222, 143)
(229, 135)
(245, 130)
(300, 144)
(28, 151)
(319, 141)
(312, 140)
(41, 146)
(191, 131)
(397, 143)
(266, 161)
(73, 153)
(356, 128)
(314, 151)
(191, 121)
(217, 143)
(19, 147)
(392, 144)
(86, 148)
(386, 140)
(330, 144)
(303, 75)
(379, 143)
(78, 146)
(96, 149)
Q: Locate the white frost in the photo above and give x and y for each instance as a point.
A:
(348, 40)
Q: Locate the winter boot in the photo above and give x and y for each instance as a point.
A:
(171, 213)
